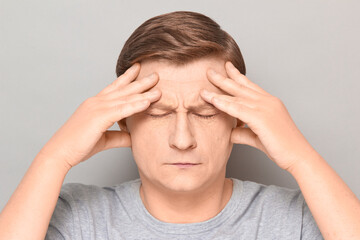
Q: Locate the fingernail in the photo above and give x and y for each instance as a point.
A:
(205, 92)
(134, 67)
(154, 92)
(152, 76)
(212, 72)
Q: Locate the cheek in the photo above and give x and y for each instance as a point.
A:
(220, 128)
(147, 139)
(219, 139)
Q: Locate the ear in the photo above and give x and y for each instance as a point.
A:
(122, 125)
(238, 123)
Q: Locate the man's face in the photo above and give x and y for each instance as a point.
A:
(182, 134)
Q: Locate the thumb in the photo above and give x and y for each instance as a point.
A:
(116, 139)
(241, 135)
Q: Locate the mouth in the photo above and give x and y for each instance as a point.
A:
(184, 165)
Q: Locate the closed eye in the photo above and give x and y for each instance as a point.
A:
(206, 116)
(198, 115)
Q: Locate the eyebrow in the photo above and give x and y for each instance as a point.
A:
(163, 106)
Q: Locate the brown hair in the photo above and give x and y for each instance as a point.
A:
(179, 37)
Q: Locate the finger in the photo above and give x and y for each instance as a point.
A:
(152, 96)
(134, 87)
(116, 139)
(121, 110)
(237, 110)
(246, 136)
(208, 95)
(235, 74)
(230, 86)
(124, 79)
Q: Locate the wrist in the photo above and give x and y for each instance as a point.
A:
(53, 162)
(306, 160)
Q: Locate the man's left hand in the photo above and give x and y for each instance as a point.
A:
(270, 126)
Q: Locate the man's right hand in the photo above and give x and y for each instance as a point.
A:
(85, 132)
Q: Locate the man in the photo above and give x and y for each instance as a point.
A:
(181, 137)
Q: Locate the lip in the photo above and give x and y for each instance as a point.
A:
(185, 165)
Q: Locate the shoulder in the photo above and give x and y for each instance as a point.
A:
(84, 209)
(279, 210)
(93, 194)
(79, 205)
(282, 206)
(272, 201)
(272, 193)
(83, 191)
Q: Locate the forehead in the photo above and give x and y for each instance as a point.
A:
(181, 85)
(185, 73)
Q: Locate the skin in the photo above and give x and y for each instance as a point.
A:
(180, 133)
(334, 206)
(165, 190)
(28, 212)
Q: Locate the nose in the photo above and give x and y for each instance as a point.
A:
(182, 136)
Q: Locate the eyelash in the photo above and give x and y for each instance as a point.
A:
(163, 115)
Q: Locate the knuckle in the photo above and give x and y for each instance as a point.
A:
(119, 109)
(239, 102)
(239, 107)
(92, 104)
(89, 102)
(114, 84)
(273, 104)
(277, 101)
(241, 86)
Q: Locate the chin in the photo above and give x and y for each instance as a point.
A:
(183, 184)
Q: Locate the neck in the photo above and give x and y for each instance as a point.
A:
(186, 207)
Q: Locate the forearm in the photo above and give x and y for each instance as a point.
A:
(28, 212)
(333, 205)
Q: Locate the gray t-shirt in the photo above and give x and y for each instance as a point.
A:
(254, 211)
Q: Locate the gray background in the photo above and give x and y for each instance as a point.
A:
(56, 54)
